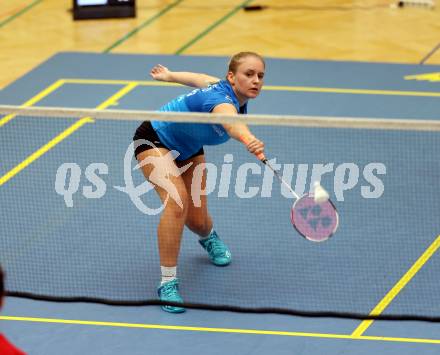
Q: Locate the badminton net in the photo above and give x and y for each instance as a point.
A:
(79, 222)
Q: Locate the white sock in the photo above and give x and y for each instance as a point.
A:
(204, 238)
(168, 273)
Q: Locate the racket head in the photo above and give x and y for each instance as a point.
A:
(314, 221)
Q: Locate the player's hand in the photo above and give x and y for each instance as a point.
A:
(160, 73)
(256, 147)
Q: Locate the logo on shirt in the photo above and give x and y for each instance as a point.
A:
(227, 97)
(218, 130)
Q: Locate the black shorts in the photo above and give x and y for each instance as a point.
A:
(146, 131)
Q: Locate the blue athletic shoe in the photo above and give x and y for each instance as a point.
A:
(218, 252)
(169, 292)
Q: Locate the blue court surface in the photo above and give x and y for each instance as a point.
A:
(383, 259)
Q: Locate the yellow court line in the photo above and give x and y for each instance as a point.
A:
(353, 91)
(120, 82)
(44, 149)
(114, 98)
(433, 77)
(220, 330)
(63, 135)
(384, 303)
(269, 88)
(34, 100)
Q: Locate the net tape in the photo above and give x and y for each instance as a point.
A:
(281, 120)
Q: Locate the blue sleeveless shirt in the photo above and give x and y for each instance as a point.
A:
(189, 138)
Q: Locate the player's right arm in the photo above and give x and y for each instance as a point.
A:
(240, 131)
(197, 80)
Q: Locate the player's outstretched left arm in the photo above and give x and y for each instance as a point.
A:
(197, 80)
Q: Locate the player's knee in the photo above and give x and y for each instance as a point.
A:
(179, 205)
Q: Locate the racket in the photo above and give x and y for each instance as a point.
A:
(314, 219)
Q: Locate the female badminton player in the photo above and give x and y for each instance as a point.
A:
(172, 176)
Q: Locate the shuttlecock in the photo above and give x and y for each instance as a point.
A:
(319, 194)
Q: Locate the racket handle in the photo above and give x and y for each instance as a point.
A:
(245, 141)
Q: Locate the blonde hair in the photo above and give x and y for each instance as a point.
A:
(236, 59)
